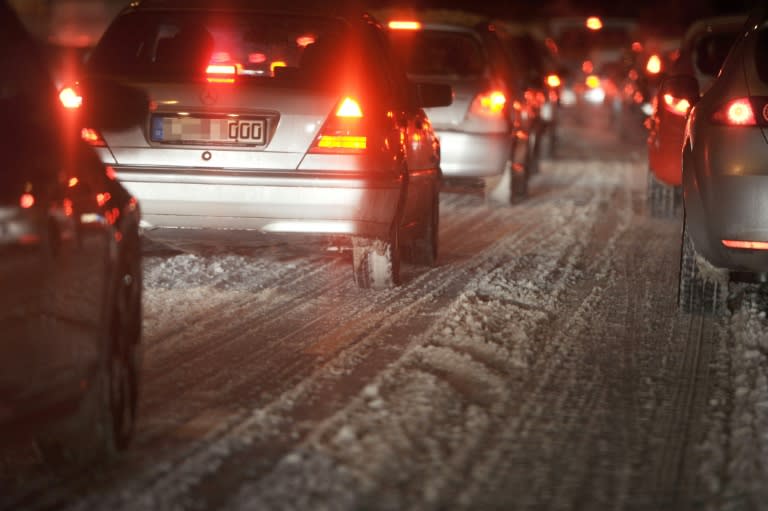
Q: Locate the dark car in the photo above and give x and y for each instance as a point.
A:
(70, 272)
(284, 120)
(725, 175)
(702, 52)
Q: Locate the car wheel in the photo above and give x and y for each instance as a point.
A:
(376, 263)
(105, 419)
(700, 292)
(518, 182)
(424, 249)
(663, 200)
(125, 360)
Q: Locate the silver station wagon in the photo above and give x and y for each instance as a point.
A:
(264, 121)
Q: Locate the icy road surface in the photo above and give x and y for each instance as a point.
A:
(542, 365)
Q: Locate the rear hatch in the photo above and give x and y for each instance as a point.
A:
(226, 90)
(450, 55)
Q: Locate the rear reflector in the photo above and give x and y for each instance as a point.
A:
(747, 245)
(404, 25)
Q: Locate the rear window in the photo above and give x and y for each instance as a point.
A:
(182, 45)
(711, 51)
(439, 53)
(761, 54)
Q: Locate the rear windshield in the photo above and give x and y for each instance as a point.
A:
(761, 53)
(439, 53)
(711, 51)
(184, 45)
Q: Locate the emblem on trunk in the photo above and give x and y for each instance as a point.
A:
(209, 97)
(765, 112)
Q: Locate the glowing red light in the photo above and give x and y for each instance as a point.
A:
(404, 25)
(257, 58)
(27, 200)
(747, 245)
(70, 98)
(737, 112)
(349, 108)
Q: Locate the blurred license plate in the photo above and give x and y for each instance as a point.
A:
(188, 129)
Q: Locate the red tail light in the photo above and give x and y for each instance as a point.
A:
(344, 131)
(553, 81)
(678, 106)
(27, 200)
(653, 66)
(70, 97)
(748, 245)
(92, 137)
(737, 112)
(221, 73)
(404, 25)
(489, 104)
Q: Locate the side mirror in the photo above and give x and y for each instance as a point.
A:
(681, 87)
(433, 94)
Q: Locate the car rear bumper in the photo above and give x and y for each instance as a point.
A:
(310, 203)
(473, 154)
(727, 196)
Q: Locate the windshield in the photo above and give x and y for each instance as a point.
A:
(184, 45)
(439, 53)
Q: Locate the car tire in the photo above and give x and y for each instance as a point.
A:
(663, 200)
(104, 421)
(376, 263)
(518, 187)
(699, 292)
(425, 248)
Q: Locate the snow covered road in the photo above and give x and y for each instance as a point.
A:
(541, 365)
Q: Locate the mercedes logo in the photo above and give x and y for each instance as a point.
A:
(209, 97)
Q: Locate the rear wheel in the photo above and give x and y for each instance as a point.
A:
(518, 182)
(105, 419)
(663, 200)
(376, 263)
(702, 288)
(423, 250)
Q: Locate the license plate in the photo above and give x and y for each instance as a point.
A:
(175, 129)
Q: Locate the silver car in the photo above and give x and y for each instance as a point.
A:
(725, 175)
(289, 122)
(489, 125)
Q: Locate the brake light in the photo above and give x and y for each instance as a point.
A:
(489, 104)
(344, 131)
(27, 200)
(592, 81)
(305, 40)
(70, 97)
(404, 25)
(748, 245)
(737, 112)
(92, 137)
(349, 108)
(221, 73)
(594, 23)
(678, 106)
(553, 81)
(653, 66)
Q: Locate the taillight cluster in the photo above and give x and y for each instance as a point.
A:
(344, 131)
(489, 104)
(737, 112)
(677, 106)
